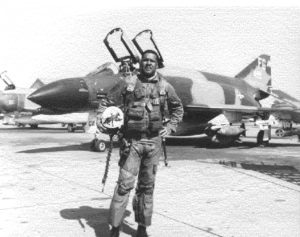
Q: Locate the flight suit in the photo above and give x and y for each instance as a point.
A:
(141, 144)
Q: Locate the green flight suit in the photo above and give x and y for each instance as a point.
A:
(140, 151)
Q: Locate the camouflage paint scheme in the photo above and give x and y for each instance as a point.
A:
(16, 101)
(204, 95)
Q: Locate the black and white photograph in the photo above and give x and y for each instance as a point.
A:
(149, 119)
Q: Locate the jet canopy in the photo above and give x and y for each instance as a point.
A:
(129, 52)
(120, 47)
(144, 41)
(7, 81)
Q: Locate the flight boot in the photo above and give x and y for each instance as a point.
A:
(141, 231)
(115, 231)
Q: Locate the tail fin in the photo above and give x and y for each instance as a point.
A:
(37, 84)
(258, 73)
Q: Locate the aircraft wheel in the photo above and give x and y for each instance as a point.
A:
(34, 126)
(70, 128)
(100, 145)
(279, 132)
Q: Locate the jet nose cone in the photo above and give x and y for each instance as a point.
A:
(66, 94)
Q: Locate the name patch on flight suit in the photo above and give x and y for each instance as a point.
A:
(155, 101)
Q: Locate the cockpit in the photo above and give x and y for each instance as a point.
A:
(109, 67)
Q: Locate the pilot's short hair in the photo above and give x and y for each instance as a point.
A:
(151, 51)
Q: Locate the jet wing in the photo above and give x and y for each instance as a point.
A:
(236, 113)
(221, 108)
(237, 108)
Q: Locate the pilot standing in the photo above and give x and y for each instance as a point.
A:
(147, 97)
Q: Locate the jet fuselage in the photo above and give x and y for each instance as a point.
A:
(194, 88)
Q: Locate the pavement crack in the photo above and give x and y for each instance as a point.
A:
(188, 224)
(260, 178)
(70, 181)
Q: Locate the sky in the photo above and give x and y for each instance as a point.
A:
(62, 39)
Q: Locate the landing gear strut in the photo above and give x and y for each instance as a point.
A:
(70, 128)
(34, 126)
(264, 135)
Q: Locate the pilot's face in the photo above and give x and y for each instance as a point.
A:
(148, 64)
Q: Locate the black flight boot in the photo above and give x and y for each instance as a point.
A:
(115, 231)
(141, 231)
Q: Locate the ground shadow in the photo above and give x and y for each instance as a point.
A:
(78, 147)
(96, 218)
(203, 141)
(206, 143)
(196, 143)
(248, 145)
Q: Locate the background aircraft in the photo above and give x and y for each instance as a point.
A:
(211, 102)
(281, 119)
(18, 110)
(14, 99)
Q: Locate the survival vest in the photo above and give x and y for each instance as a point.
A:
(144, 106)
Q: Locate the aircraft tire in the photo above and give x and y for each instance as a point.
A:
(279, 132)
(34, 126)
(100, 145)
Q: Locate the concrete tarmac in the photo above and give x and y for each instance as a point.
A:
(50, 185)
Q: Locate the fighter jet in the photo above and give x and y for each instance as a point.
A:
(284, 121)
(18, 110)
(14, 102)
(211, 102)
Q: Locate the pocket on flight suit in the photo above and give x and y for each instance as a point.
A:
(137, 126)
(155, 120)
(148, 202)
(137, 119)
(124, 152)
(154, 151)
(136, 113)
(131, 163)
